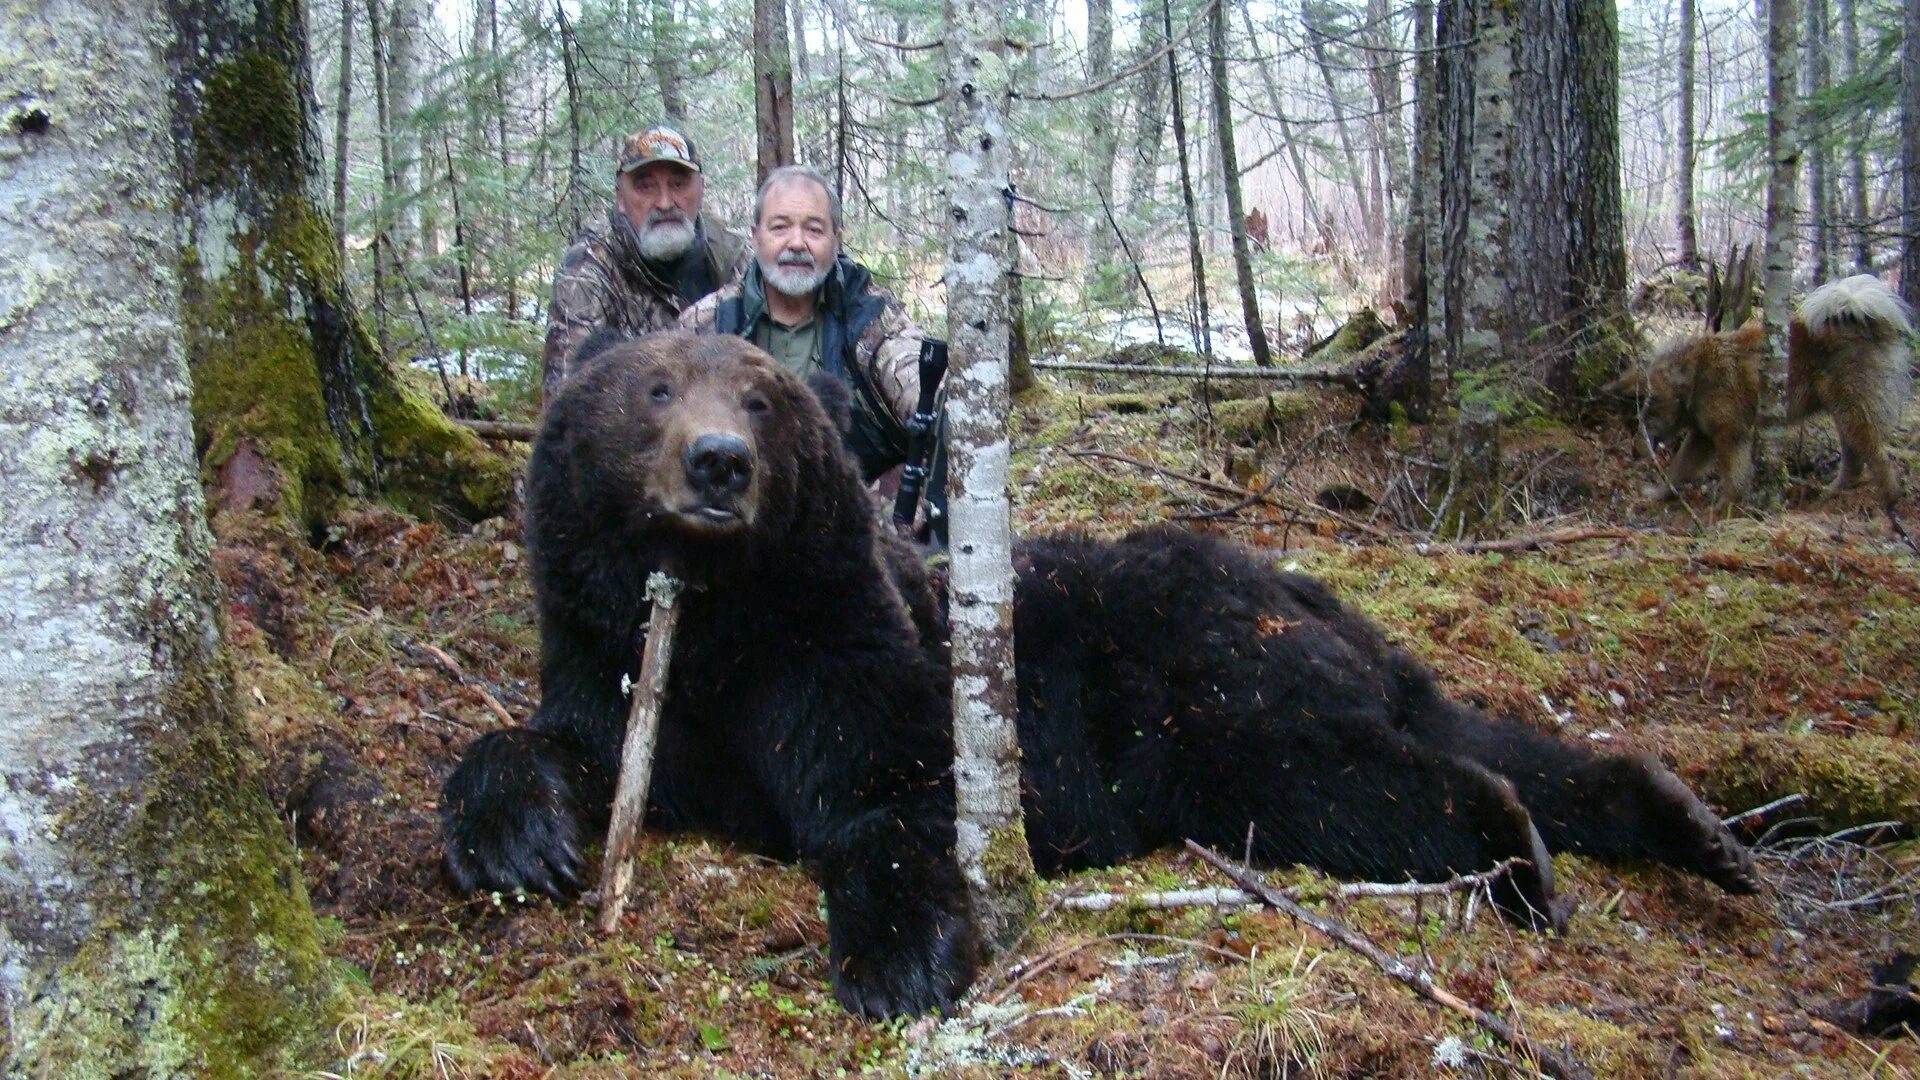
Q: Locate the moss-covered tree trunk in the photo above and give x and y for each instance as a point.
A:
(287, 384)
(152, 919)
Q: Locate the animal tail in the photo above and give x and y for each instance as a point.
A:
(1865, 326)
(1862, 304)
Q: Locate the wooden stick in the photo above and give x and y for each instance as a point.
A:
(1420, 982)
(636, 754)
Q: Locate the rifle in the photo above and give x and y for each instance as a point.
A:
(921, 430)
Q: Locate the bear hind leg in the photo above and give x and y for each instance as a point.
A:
(1610, 807)
(1372, 804)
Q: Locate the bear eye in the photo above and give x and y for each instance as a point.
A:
(757, 404)
(661, 393)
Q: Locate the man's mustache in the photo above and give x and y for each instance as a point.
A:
(796, 258)
(666, 217)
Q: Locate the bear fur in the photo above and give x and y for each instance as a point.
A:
(1170, 686)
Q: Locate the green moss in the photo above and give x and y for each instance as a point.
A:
(1358, 332)
(254, 382)
(1850, 781)
(1605, 349)
(256, 379)
(1258, 420)
(249, 125)
(213, 965)
(435, 466)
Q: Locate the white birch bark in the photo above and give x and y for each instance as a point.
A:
(127, 917)
(1783, 150)
(991, 842)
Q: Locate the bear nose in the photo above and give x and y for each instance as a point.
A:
(719, 464)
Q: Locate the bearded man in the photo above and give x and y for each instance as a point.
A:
(653, 258)
(816, 311)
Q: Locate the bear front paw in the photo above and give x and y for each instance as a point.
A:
(910, 960)
(510, 821)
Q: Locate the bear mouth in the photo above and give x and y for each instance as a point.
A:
(710, 518)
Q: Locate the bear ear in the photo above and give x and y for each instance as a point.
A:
(835, 398)
(597, 342)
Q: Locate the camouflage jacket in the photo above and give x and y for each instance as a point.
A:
(603, 281)
(865, 338)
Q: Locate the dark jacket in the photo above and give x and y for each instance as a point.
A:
(866, 338)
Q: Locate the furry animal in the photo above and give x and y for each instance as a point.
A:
(1170, 686)
(1847, 356)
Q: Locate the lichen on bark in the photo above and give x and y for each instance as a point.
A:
(214, 966)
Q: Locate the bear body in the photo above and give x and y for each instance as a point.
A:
(1170, 686)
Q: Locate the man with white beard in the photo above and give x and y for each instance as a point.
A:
(817, 311)
(655, 255)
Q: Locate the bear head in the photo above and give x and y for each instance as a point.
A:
(673, 441)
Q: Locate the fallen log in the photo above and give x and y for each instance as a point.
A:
(1297, 376)
(511, 430)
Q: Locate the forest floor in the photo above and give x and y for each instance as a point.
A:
(1761, 659)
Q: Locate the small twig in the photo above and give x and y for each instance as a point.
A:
(1420, 982)
(1027, 973)
(636, 753)
(1758, 811)
(1900, 530)
(464, 681)
(1219, 897)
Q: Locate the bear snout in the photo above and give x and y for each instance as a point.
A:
(719, 466)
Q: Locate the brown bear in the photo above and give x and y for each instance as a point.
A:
(1170, 686)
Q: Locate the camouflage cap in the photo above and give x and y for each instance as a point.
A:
(660, 143)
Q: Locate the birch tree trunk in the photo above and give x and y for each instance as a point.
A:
(1230, 176)
(991, 839)
(1783, 151)
(1686, 226)
(152, 921)
(772, 87)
